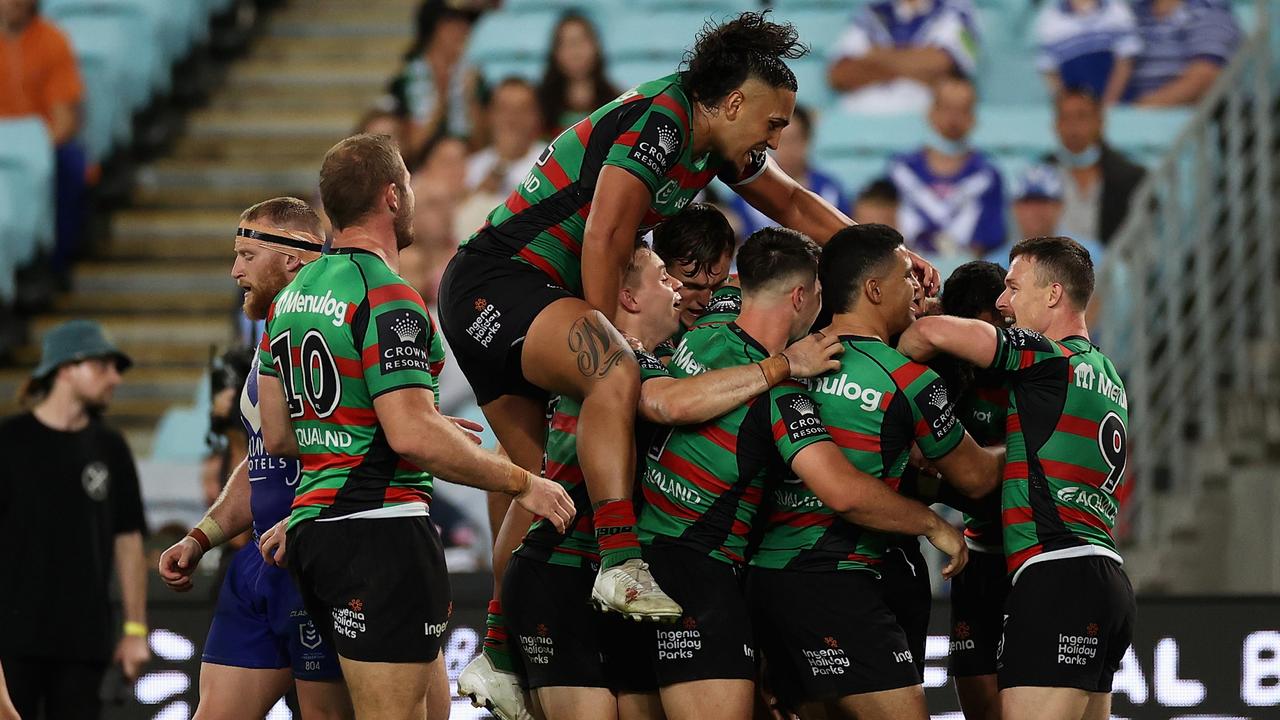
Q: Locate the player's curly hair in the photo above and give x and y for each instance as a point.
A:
(749, 45)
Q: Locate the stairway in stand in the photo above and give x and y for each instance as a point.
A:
(161, 283)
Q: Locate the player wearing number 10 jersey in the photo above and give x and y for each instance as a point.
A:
(347, 384)
(1066, 422)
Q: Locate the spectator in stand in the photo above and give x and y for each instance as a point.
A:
(1098, 181)
(1185, 45)
(515, 131)
(434, 223)
(1088, 44)
(70, 511)
(377, 121)
(952, 197)
(895, 51)
(38, 76)
(438, 91)
(877, 203)
(1037, 202)
(575, 82)
(792, 156)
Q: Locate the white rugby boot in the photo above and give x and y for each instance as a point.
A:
(493, 689)
(630, 590)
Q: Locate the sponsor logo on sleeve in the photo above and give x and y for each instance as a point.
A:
(659, 145)
(800, 417)
(648, 361)
(937, 409)
(402, 342)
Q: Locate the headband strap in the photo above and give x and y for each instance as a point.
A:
(289, 242)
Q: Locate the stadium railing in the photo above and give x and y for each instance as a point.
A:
(1188, 287)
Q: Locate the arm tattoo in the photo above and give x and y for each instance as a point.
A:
(597, 353)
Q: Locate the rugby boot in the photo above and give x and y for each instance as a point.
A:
(490, 688)
(630, 590)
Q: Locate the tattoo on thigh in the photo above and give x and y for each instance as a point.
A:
(597, 353)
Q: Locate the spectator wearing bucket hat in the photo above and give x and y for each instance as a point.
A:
(70, 508)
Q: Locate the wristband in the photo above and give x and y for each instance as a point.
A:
(776, 368)
(134, 629)
(208, 534)
(518, 480)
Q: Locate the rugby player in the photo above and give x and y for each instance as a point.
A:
(347, 382)
(1067, 420)
(261, 641)
(704, 483)
(977, 594)
(833, 645)
(525, 320)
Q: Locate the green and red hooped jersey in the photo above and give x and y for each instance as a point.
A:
(346, 330)
(577, 547)
(876, 406)
(981, 411)
(704, 484)
(646, 131)
(1067, 427)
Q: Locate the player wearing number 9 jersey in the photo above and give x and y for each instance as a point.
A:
(347, 384)
(1066, 424)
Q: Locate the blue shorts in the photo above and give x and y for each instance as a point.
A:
(260, 623)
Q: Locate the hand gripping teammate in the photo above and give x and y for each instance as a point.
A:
(347, 382)
(1067, 450)
(527, 303)
(261, 641)
(816, 588)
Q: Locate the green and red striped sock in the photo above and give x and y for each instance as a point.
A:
(495, 639)
(615, 532)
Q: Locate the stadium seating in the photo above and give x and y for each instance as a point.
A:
(26, 176)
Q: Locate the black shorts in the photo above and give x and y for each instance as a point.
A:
(487, 304)
(904, 579)
(1067, 623)
(713, 639)
(377, 589)
(826, 635)
(977, 614)
(561, 641)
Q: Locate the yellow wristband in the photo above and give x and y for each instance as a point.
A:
(134, 629)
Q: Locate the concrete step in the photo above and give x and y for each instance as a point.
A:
(283, 127)
(382, 48)
(265, 151)
(145, 277)
(352, 24)
(163, 332)
(221, 303)
(237, 198)
(199, 245)
(306, 99)
(318, 76)
(202, 176)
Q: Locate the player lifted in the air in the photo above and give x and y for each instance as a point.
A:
(527, 302)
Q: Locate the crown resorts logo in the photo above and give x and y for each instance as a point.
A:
(938, 398)
(804, 406)
(667, 139)
(406, 328)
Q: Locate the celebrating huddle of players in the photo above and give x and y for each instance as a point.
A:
(720, 514)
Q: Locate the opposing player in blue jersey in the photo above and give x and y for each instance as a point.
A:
(261, 641)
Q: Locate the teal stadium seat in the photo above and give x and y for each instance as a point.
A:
(639, 34)
(26, 155)
(505, 36)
